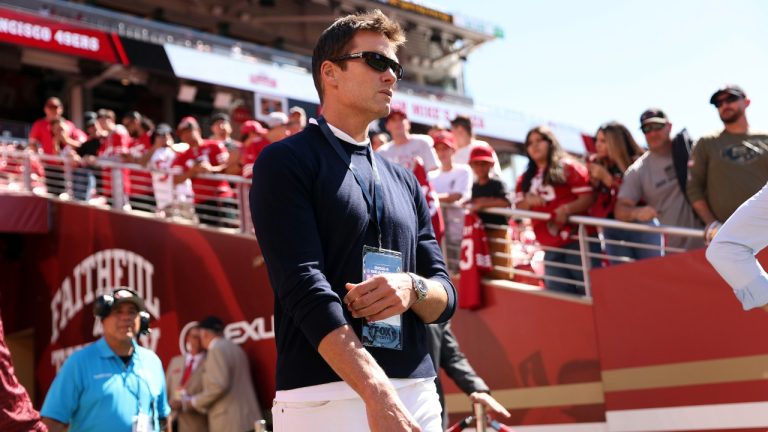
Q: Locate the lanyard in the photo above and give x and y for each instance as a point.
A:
(376, 205)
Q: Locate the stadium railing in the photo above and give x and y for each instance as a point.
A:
(515, 255)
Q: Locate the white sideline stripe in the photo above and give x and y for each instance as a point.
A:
(702, 417)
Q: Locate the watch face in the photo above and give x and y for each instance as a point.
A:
(421, 289)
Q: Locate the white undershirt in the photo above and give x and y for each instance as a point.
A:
(340, 134)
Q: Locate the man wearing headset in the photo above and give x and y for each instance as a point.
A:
(112, 384)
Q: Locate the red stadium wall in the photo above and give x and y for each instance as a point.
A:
(663, 342)
(184, 273)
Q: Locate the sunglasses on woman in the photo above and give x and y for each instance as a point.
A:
(376, 61)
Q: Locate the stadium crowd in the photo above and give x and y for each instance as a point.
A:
(675, 182)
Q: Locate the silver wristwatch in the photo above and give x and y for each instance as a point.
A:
(419, 286)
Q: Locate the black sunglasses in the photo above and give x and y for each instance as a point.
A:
(730, 99)
(652, 127)
(376, 61)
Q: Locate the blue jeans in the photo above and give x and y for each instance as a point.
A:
(634, 237)
(568, 258)
(83, 180)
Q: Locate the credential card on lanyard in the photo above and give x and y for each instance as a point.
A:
(386, 333)
(142, 423)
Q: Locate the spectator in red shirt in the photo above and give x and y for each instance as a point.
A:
(41, 140)
(615, 151)
(556, 184)
(254, 141)
(213, 198)
(40, 136)
(132, 123)
(140, 128)
(221, 129)
(114, 147)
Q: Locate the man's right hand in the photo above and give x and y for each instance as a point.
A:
(390, 415)
(645, 214)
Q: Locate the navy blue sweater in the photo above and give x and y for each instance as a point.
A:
(311, 221)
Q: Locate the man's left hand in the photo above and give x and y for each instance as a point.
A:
(381, 296)
(491, 404)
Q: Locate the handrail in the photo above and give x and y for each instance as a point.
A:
(599, 222)
(586, 253)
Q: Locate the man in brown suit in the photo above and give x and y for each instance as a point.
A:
(227, 397)
(185, 377)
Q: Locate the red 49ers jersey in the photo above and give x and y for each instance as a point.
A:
(554, 196)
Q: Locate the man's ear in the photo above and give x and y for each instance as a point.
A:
(328, 72)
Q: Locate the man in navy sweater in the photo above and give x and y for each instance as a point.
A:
(351, 254)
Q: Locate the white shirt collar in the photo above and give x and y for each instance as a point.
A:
(194, 358)
(340, 134)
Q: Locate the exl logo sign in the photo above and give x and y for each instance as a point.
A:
(238, 332)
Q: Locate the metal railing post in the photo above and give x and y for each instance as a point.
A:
(118, 192)
(244, 212)
(478, 410)
(586, 261)
(26, 173)
(68, 183)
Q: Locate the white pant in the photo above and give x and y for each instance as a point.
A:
(349, 415)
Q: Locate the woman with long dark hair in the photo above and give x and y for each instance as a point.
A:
(557, 184)
(615, 150)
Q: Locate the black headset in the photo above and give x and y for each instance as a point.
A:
(102, 307)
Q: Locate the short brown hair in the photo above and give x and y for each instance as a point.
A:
(464, 122)
(336, 38)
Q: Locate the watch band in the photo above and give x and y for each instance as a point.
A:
(419, 286)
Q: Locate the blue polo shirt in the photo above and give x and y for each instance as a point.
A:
(96, 391)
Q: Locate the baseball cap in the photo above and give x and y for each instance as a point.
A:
(89, 115)
(653, 115)
(124, 295)
(730, 89)
(212, 323)
(445, 137)
(163, 129)
(481, 153)
(297, 109)
(220, 116)
(133, 115)
(252, 126)
(275, 119)
(396, 112)
(188, 122)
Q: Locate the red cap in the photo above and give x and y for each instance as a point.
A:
(481, 153)
(396, 112)
(252, 126)
(445, 137)
(188, 122)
